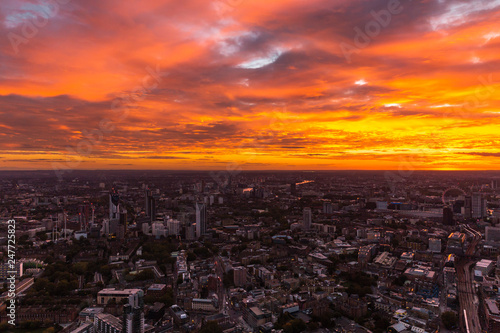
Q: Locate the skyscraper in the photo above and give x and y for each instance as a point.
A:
(150, 205)
(122, 225)
(201, 219)
(147, 195)
(174, 227)
(84, 215)
(307, 218)
(133, 319)
(152, 208)
(190, 231)
(327, 207)
(114, 206)
(467, 207)
(448, 216)
(478, 205)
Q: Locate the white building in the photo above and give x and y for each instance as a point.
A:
(174, 227)
(158, 229)
(483, 268)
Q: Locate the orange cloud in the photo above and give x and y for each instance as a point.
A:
(164, 84)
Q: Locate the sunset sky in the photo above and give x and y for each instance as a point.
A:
(274, 84)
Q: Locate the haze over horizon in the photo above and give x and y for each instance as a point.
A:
(251, 84)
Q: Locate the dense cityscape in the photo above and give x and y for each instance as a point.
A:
(252, 251)
(249, 166)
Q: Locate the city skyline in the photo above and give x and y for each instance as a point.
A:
(234, 166)
(281, 85)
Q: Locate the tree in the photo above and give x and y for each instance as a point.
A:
(295, 326)
(449, 319)
(381, 324)
(191, 256)
(80, 268)
(211, 327)
(400, 281)
(146, 274)
(42, 235)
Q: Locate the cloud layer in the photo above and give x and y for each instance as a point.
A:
(285, 84)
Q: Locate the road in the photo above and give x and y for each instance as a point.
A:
(224, 305)
(468, 299)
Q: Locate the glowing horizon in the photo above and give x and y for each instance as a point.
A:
(250, 84)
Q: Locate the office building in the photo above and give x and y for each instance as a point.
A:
(467, 209)
(110, 227)
(190, 231)
(492, 234)
(483, 268)
(133, 311)
(150, 205)
(257, 317)
(307, 218)
(478, 206)
(448, 216)
(114, 206)
(203, 304)
(327, 208)
(492, 315)
(133, 319)
(240, 276)
(449, 275)
(134, 297)
(84, 215)
(6, 270)
(147, 207)
(121, 229)
(158, 230)
(455, 243)
(201, 219)
(365, 254)
(174, 227)
(107, 323)
(435, 245)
